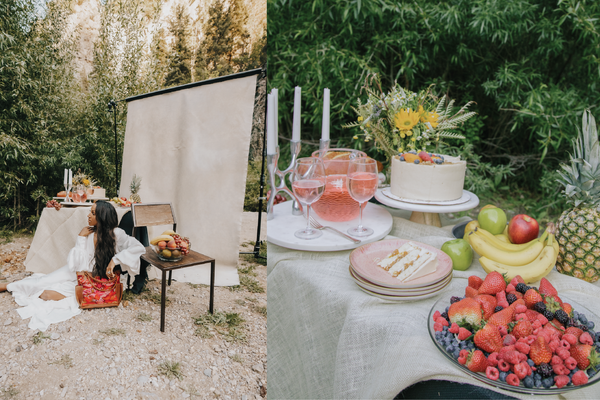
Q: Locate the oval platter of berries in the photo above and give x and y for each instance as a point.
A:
(517, 337)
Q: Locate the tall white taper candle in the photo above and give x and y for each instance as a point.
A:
(271, 139)
(297, 114)
(325, 126)
(66, 180)
(70, 177)
(275, 94)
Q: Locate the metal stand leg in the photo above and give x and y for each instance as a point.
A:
(170, 275)
(212, 287)
(163, 300)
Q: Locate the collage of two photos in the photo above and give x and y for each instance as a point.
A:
(242, 199)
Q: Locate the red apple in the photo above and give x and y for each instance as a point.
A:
(522, 229)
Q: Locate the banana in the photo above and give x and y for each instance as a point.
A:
(161, 238)
(496, 242)
(531, 272)
(169, 232)
(522, 257)
(555, 244)
(502, 237)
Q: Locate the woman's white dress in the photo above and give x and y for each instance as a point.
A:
(81, 258)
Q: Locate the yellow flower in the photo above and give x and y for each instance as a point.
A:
(360, 119)
(368, 125)
(355, 137)
(402, 134)
(406, 119)
(432, 118)
(400, 149)
(86, 182)
(414, 139)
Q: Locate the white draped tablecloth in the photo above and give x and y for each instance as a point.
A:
(55, 236)
(330, 340)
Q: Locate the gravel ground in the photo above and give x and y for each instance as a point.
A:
(120, 353)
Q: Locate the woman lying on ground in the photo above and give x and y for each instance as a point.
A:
(102, 249)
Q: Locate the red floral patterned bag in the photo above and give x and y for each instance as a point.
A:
(98, 292)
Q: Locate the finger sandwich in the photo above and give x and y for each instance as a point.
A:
(409, 262)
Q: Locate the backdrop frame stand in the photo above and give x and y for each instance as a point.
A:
(258, 242)
(112, 108)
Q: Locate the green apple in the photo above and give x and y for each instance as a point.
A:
(460, 252)
(492, 220)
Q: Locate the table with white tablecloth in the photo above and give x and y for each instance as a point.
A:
(328, 339)
(55, 236)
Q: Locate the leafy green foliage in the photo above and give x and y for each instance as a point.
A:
(531, 66)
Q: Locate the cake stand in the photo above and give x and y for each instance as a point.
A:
(428, 214)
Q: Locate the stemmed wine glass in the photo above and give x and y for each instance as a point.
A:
(362, 184)
(308, 186)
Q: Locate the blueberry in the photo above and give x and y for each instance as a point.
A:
(503, 376)
(590, 325)
(401, 158)
(449, 348)
(445, 328)
(597, 336)
(455, 343)
(575, 314)
(417, 161)
(583, 319)
(537, 383)
(530, 362)
(537, 376)
(591, 372)
(456, 353)
(548, 382)
(528, 382)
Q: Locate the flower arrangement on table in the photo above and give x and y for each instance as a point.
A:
(81, 178)
(402, 120)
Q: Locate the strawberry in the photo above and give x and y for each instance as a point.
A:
(470, 292)
(476, 361)
(488, 304)
(475, 282)
(539, 351)
(503, 317)
(424, 156)
(463, 333)
(552, 299)
(492, 284)
(465, 311)
(579, 378)
(517, 302)
(488, 339)
(522, 329)
(531, 297)
(585, 355)
(546, 288)
(568, 309)
(462, 356)
(517, 279)
(532, 315)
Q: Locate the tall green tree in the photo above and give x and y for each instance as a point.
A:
(179, 65)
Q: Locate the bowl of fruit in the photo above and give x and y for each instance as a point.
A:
(170, 246)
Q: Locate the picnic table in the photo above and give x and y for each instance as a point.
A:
(328, 339)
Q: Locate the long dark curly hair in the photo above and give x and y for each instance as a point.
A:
(107, 221)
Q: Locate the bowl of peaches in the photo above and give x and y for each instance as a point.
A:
(170, 246)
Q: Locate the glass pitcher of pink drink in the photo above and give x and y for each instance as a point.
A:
(335, 204)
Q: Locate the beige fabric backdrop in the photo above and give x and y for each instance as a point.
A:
(191, 149)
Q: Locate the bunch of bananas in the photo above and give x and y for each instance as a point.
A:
(532, 260)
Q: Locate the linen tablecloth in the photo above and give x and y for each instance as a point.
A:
(329, 340)
(55, 236)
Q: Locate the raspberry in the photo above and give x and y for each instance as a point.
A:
(520, 309)
(462, 356)
(554, 344)
(542, 319)
(493, 359)
(563, 353)
(556, 360)
(586, 338)
(569, 337)
(463, 333)
(523, 348)
(503, 330)
(442, 321)
(536, 324)
(560, 369)
(521, 370)
(503, 365)
(503, 303)
(510, 288)
(493, 373)
(513, 380)
(564, 344)
(521, 316)
(579, 378)
(436, 315)
(509, 340)
(453, 328)
(512, 356)
(561, 380)
(438, 327)
(570, 363)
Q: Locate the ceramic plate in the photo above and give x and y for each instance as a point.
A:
(364, 261)
(71, 204)
(464, 198)
(399, 292)
(441, 305)
(404, 298)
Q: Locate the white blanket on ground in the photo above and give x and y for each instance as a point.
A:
(330, 340)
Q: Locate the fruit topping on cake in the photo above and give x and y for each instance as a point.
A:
(409, 262)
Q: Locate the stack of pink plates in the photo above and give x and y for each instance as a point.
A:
(377, 282)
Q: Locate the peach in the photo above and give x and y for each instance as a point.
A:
(162, 245)
(171, 245)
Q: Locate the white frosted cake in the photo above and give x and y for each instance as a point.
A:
(428, 181)
(98, 193)
(409, 262)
